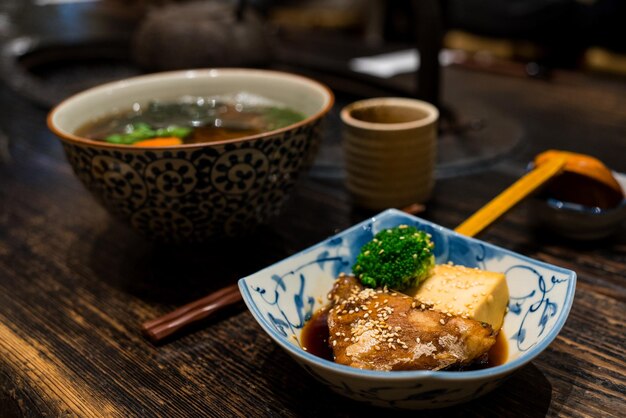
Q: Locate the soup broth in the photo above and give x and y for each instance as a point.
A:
(191, 120)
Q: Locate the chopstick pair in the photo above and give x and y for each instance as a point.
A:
(166, 325)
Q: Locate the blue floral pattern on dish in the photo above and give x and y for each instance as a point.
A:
(283, 297)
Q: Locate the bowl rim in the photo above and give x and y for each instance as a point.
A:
(576, 208)
(185, 74)
(503, 369)
(431, 117)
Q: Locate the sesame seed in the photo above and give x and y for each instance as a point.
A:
(381, 251)
(442, 322)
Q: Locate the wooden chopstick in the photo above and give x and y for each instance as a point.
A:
(166, 325)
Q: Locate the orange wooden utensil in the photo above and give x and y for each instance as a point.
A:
(547, 165)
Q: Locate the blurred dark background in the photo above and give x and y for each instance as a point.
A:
(51, 49)
(539, 35)
(573, 34)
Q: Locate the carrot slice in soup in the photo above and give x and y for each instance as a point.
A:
(159, 142)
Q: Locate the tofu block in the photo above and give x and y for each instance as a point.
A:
(467, 292)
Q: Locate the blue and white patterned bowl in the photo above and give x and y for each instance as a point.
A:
(283, 297)
(188, 193)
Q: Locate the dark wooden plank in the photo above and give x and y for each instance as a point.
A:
(75, 284)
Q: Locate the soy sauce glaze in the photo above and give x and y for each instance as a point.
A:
(315, 335)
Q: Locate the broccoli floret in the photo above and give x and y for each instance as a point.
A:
(398, 258)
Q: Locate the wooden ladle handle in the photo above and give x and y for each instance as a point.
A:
(502, 203)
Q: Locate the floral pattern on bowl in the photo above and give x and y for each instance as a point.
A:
(284, 296)
(198, 192)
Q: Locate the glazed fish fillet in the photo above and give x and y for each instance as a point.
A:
(385, 330)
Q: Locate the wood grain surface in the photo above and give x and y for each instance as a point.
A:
(75, 284)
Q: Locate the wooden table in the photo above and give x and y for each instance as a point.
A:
(75, 284)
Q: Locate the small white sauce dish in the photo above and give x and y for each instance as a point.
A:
(579, 222)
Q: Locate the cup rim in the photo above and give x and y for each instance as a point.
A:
(185, 74)
(431, 110)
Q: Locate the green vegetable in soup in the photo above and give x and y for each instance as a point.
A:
(193, 120)
(279, 117)
(140, 131)
(398, 258)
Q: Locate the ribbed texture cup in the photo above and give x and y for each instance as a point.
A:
(390, 151)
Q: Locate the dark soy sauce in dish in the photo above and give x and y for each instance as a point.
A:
(315, 335)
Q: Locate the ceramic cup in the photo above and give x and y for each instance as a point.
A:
(390, 149)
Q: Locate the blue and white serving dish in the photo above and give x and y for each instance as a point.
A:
(283, 297)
